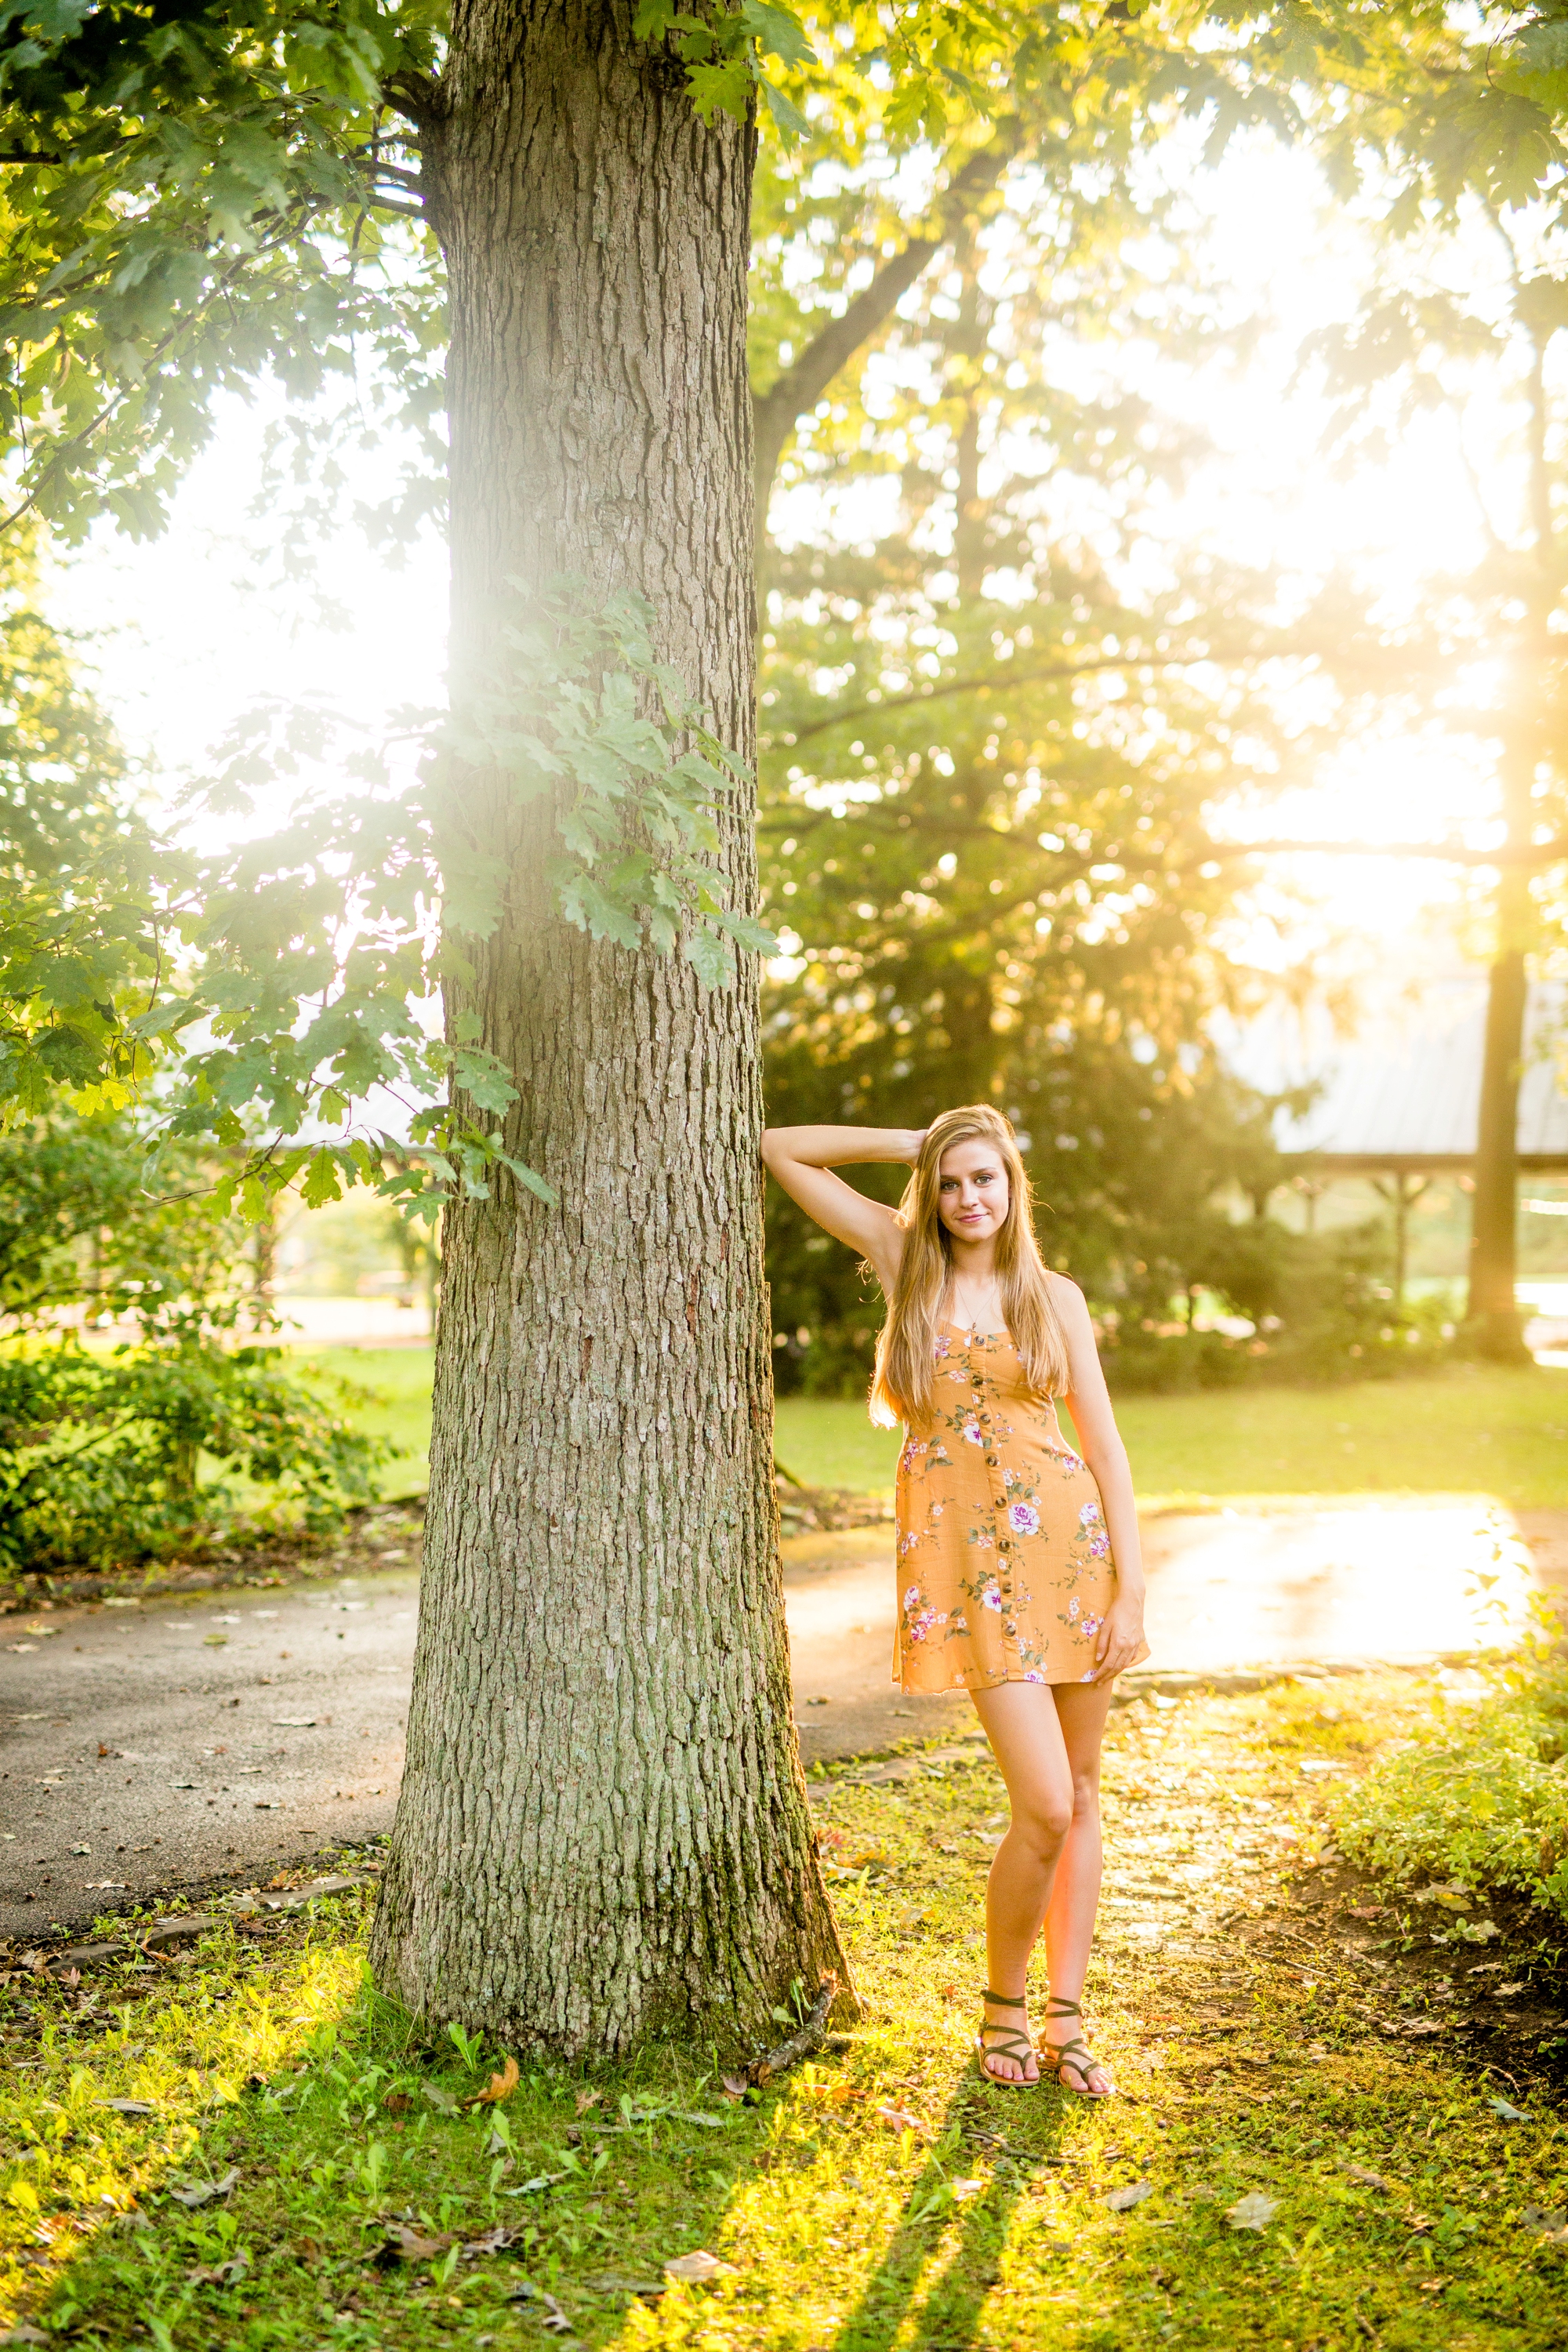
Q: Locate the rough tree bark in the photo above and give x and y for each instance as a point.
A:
(603, 1832)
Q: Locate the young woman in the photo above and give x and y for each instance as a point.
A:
(1019, 1576)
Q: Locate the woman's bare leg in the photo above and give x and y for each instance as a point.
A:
(1023, 1726)
(1082, 1709)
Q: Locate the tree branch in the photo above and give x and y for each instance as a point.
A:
(1536, 853)
(1006, 676)
(418, 96)
(775, 413)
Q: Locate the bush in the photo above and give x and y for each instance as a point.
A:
(1484, 1806)
(99, 1454)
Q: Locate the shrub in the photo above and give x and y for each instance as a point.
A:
(99, 1454)
(1485, 1804)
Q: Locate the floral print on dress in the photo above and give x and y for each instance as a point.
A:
(1001, 1532)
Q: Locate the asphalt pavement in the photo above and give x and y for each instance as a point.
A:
(152, 1747)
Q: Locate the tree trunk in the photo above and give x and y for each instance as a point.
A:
(1491, 1313)
(603, 1832)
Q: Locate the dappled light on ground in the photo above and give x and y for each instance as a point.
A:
(1332, 2128)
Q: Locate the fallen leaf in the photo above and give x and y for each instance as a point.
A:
(586, 2099)
(694, 2270)
(610, 2282)
(1505, 1992)
(1551, 2227)
(82, 1849)
(227, 2273)
(900, 2119)
(540, 2180)
(1416, 2220)
(193, 2193)
(25, 2333)
(964, 2189)
(441, 2100)
(1425, 2025)
(1121, 2201)
(402, 2244)
(837, 2094)
(130, 2106)
(216, 1641)
(734, 2087)
(1253, 2211)
(396, 2102)
(294, 1723)
(1507, 2111)
(499, 2086)
(490, 2241)
(1367, 2179)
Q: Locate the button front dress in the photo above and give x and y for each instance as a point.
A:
(1005, 1565)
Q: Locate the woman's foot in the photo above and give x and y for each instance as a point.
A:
(1003, 2045)
(1066, 2054)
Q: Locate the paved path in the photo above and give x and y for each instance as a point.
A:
(149, 1747)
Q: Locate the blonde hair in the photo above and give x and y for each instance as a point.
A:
(906, 1346)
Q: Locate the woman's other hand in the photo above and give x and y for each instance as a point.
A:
(1120, 1639)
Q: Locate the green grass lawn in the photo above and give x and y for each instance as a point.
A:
(1472, 1430)
(389, 1397)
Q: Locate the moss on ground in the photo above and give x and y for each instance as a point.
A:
(1284, 2033)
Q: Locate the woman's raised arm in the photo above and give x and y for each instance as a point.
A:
(800, 1159)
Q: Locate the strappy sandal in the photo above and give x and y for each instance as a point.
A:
(1074, 2054)
(1013, 2042)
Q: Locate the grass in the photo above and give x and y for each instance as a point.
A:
(394, 1386)
(881, 2200)
(1473, 1429)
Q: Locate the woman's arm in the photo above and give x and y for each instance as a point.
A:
(1099, 1443)
(799, 1158)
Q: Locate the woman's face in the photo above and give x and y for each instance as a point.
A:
(972, 1190)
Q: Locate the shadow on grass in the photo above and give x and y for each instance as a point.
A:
(991, 2124)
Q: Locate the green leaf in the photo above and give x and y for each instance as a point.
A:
(788, 121)
(711, 957)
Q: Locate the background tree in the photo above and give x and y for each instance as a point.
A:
(1435, 337)
(996, 725)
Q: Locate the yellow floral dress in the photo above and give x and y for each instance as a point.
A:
(1005, 1565)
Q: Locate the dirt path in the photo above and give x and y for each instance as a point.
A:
(172, 1743)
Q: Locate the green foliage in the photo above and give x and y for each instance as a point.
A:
(102, 1454)
(99, 1454)
(86, 1223)
(569, 711)
(80, 946)
(1482, 1802)
(989, 757)
(303, 965)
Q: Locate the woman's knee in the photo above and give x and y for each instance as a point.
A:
(1086, 1794)
(1044, 1817)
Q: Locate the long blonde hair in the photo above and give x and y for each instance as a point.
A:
(906, 1346)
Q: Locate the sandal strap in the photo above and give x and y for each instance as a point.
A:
(1005, 1999)
(1010, 2044)
(1074, 2053)
(1057, 2005)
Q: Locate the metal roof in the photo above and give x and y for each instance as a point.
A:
(1408, 1093)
